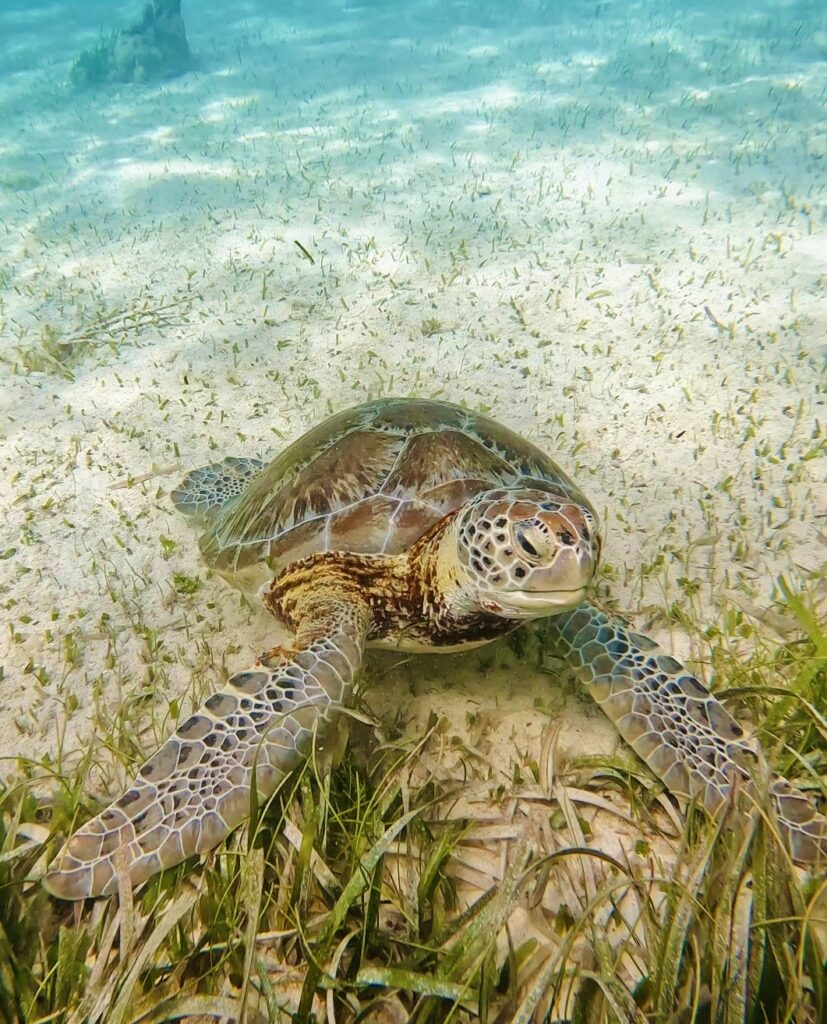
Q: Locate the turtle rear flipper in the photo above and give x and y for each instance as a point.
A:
(196, 789)
(207, 490)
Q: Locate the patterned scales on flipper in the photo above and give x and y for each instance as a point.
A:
(685, 735)
(416, 525)
(196, 789)
(206, 490)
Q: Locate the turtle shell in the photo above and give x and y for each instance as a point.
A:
(371, 479)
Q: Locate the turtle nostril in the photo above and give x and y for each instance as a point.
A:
(566, 537)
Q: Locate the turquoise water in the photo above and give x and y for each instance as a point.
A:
(601, 223)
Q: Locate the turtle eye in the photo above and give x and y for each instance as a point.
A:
(527, 546)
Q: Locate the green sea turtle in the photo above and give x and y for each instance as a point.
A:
(420, 526)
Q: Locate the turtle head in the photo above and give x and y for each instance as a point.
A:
(526, 554)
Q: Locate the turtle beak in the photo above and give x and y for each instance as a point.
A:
(552, 589)
(534, 604)
(572, 569)
(554, 600)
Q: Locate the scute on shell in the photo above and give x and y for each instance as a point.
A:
(371, 479)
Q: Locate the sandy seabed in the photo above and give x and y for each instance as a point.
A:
(606, 228)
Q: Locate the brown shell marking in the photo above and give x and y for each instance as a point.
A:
(353, 467)
(439, 457)
(372, 480)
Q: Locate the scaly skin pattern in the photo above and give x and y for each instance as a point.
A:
(499, 559)
(196, 788)
(686, 736)
(416, 600)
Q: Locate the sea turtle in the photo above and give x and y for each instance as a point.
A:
(420, 526)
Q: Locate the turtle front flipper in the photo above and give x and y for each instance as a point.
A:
(685, 735)
(196, 789)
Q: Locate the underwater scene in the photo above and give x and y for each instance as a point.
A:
(413, 559)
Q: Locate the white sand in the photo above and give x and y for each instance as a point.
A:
(563, 196)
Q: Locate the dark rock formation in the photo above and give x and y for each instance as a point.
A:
(155, 47)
